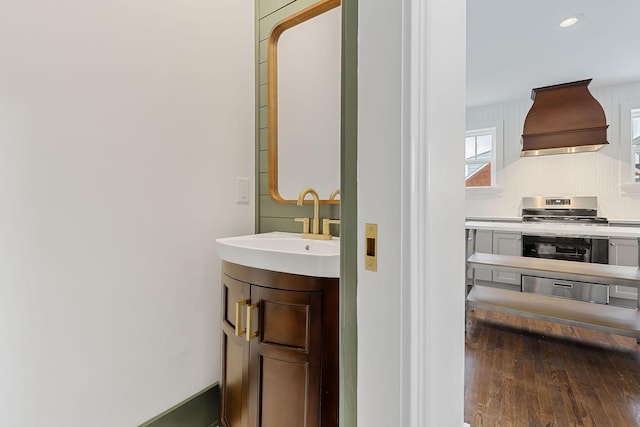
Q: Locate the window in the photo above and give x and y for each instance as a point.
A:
(635, 143)
(479, 168)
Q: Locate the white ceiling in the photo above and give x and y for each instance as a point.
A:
(514, 46)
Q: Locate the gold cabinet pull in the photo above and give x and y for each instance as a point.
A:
(250, 334)
(239, 305)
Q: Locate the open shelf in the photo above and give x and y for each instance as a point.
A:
(612, 318)
(608, 318)
(604, 274)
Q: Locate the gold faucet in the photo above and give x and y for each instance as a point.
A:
(326, 226)
(326, 223)
(316, 208)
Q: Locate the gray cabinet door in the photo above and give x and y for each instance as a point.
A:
(484, 244)
(623, 252)
(505, 243)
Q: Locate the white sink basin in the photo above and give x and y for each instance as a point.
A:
(283, 252)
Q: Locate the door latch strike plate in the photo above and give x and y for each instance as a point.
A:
(371, 247)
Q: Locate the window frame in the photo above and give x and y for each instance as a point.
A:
(628, 184)
(494, 135)
(634, 113)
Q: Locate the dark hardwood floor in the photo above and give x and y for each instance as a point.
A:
(524, 372)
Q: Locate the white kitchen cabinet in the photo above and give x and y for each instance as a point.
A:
(623, 252)
(484, 244)
(505, 243)
(494, 242)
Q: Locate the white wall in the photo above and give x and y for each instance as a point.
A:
(598, 174)
(123, 125)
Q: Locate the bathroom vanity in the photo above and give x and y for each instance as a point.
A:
(279, 334)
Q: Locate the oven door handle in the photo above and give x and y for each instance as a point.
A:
(564, 285)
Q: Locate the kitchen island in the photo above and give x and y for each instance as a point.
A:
(624, 320)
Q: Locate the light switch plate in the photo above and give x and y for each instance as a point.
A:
(242, 190)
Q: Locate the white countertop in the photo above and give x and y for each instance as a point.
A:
(283, 252)
(581, 230)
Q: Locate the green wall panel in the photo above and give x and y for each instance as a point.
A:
(262, 51)
(269, 6)
(269, 208)
(199, 410)
(264, 183)
(285, 224)
(262, 95)
(262, 74)
(263, 139)
(348, 222)
(263, 118)
(268, 22)
(280, 224)
(264, 164)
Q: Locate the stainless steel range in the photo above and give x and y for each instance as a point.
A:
(564, 210)
(579, 248)
(570, 210)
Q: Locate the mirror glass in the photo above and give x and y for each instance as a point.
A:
(304, 104)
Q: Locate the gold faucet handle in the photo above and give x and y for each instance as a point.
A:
(326, 230)
(305, 224)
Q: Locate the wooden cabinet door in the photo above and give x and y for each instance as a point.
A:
(235, 353)
(286, 359)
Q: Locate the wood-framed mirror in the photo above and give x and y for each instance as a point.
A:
(303, 90)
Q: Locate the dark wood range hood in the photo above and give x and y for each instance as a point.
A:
(564, 118)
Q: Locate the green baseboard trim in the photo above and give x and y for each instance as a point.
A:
(200, 410)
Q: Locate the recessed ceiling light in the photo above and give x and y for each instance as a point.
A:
(571, 20)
